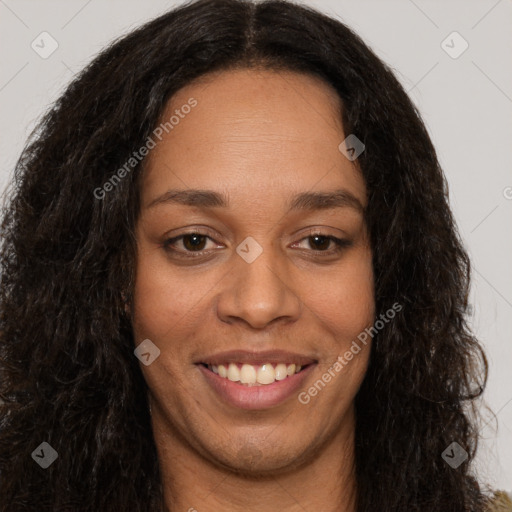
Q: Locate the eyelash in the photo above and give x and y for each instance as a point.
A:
(340, 244)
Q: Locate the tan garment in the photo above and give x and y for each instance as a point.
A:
(501, 502)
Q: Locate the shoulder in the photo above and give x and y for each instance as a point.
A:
(501, 502)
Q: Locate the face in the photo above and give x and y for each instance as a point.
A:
(258, 262)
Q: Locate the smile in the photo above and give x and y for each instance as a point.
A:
(255, 375)
(280, 383)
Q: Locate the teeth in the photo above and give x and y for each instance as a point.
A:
(266, 374)
(233, 373)
(248, 374)
(251, 375)
(281, 372)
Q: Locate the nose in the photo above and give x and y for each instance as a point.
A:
(259, 292)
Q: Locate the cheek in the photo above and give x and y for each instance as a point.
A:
(351, 311)
(344, 301)
(169, 300)
(160, 299)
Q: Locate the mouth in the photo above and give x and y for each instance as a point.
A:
(255, 375)
(255, 387)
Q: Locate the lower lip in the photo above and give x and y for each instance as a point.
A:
(256, 397)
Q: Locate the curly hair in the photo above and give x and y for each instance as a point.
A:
(68, 375)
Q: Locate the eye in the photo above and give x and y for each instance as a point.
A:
(321, 242)
(193, 244)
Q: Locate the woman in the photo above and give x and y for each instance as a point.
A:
(231, 280)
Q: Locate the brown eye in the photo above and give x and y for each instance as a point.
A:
(194, 242)
(191, 243)
(320, 242)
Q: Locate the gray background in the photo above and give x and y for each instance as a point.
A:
(466, 103)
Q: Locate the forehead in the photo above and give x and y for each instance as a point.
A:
(253, 133)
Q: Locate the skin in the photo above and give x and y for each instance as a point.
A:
(261, 137)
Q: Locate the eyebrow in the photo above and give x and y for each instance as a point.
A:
(305, 201)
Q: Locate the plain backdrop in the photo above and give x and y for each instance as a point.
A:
(464, 95)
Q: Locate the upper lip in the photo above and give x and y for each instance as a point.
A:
(257, 358)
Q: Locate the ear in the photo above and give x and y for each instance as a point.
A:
(126, 302)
